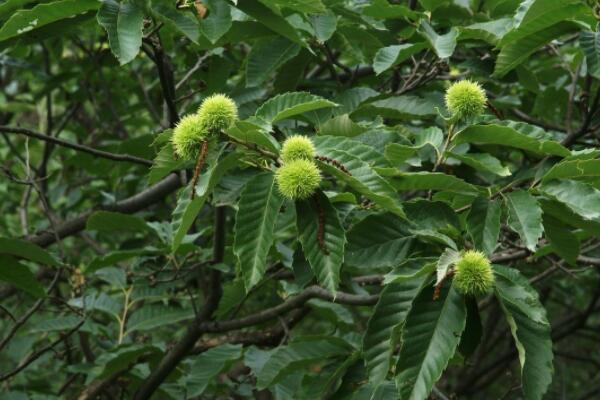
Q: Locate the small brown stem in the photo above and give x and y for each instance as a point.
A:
(199, 165)
(437, 288)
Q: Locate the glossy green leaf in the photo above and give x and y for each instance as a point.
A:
(507, 136)
(389, 56)
(327, 145)
(364, 180)
(389, 314)
(525, 217)
(123, 23)
(430, 337)
(250, 133)
(581, 198)
(385, 246)
(483, 162)
(254, 225)
(325, 258)
(574, 169)
(448, 258)
(218, 20)
(530, 329)
(432, 181)
(483, 224)
(23, 21)
(290, 104)
(443, 45)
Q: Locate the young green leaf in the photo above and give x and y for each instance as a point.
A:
(323, 239)
(430, 337)
(254, 225)
(527, 320)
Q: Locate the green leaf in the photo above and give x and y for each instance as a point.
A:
(387, 57)
(299, 354)
(388, 315)
(324, 25)
(590, 44)
(218, 20)
(563, 241)
(483, 162)
(266, 56)
(27, 250)
(443, 45)
(303, 6)
(382, 9)
(113, 222)
(123, 23)
(186, 211)
(448, 258)
(490, 31)
(404, 106)
(24, 21)
(507, 136)
(248, 132)
(430, 337)
(181, 21)
(525, 217)
(326, 146)
(574, 169)
(341, 125)
(581, 198)
(290, 104)
(209, 365)
(121, 358)
(254, 226)
(18, 275)
(164, 163)
(325, 259)
(364, 180)
(483, 224)
(530, 329)
(514, 53)
(268, 18)
(150, 317)
(432, 181)
(378, 241)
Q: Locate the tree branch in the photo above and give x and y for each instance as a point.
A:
(75, 146)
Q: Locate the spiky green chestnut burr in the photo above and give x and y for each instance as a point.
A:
(297, 147)
(298, 179)
(188, 137)
(217, 113)
(465, 99)
(473, 275)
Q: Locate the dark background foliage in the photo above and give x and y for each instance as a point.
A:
(116, 285)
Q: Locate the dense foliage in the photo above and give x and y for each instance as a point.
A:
(282, 199)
